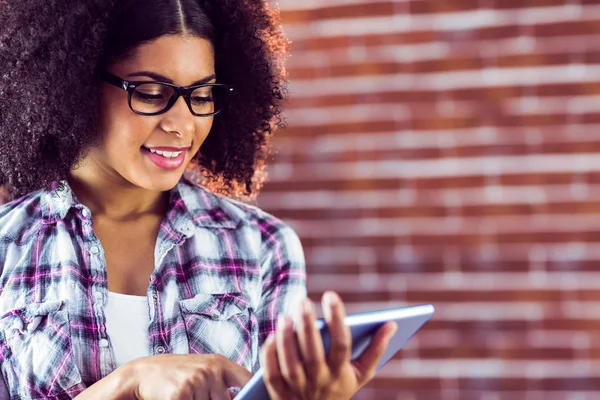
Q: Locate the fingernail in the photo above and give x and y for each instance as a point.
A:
(330, 298)
(394, 329)
(307, 306)
(282, 322)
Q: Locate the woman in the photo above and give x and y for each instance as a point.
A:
(122, 279)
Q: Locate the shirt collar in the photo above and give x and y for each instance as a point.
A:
(203, 208)
(57, 202)
(189, 206)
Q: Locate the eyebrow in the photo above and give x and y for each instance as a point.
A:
(162, 78)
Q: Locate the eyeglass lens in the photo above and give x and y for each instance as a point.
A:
(152, 98)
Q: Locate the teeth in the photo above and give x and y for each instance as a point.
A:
(166, 154)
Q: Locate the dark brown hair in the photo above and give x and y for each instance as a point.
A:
(52, 52)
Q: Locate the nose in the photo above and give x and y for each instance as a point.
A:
(178, 119)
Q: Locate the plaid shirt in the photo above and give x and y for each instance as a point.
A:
(223, 272)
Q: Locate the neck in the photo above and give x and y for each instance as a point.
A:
(110, 195)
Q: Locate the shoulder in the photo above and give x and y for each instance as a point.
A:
(236, 214)
(204, 204)
(20, 220)
(21, 216)
(275, 233)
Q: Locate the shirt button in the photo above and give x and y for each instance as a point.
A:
(103, 343)
(160, 350)
(94, 250)
(154, 296)
(85, 213)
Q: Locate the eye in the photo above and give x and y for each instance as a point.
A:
(202, 99)
(149, 96)
(152, 92)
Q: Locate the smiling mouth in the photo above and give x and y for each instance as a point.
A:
(168, 158)
(166, 154)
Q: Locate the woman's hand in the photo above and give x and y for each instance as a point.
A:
(295, 364)
(185, 377)
(170, 377)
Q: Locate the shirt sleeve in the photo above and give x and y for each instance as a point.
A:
(283, 273)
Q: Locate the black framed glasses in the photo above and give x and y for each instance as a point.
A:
(153, 98)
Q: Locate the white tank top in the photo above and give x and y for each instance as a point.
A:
(127, 320)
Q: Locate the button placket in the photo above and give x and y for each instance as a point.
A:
(106, 360)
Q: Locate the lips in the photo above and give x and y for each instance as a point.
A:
(166, 157)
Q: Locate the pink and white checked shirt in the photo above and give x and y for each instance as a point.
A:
(223, 272)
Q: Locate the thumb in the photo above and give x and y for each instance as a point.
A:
(234, 375)
(366, 364)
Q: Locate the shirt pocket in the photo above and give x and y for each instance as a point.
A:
(37, 351)
(221, 324)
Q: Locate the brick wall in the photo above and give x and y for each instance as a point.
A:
(445, 151)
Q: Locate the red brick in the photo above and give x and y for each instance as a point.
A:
(568, 28)
(432, 7)
(371, 9)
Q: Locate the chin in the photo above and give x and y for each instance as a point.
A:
(159, 183)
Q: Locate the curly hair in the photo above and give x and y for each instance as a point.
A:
(53, 51)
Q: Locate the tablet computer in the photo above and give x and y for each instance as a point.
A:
(362, 326)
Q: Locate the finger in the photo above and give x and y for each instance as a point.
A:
(219, 392)
(341, 338)
(366, 364)
(310, 343)
(215, 384)
(287, 353)
(200, 392)
(272, 377)
(234, 375)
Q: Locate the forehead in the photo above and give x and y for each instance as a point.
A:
(184, 59)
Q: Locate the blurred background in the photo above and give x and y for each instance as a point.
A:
(445, 152)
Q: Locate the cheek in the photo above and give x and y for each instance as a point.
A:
(202, 129)
(126, 134)
(121, 128)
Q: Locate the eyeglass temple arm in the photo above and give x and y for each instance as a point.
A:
(115, 80)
